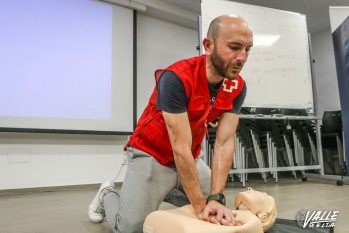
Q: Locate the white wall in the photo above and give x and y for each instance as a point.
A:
(325, 72)
(159, 45)
(42, 160)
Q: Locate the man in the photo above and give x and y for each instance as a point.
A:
(165, 146)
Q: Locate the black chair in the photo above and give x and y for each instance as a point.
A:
(331, 122)
(332, 142)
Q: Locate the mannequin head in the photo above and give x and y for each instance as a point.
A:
(260, 204)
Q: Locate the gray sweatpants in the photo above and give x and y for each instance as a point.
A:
(145, 186)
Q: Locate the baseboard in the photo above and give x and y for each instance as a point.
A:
(80, 187)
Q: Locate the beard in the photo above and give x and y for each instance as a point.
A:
(222, 68)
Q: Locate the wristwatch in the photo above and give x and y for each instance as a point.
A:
(217, 197)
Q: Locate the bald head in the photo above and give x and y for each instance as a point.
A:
(223, 21)
(227, 45)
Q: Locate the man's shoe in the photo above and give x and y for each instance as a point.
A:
(96, 209)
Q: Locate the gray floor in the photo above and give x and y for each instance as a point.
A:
(66, 210)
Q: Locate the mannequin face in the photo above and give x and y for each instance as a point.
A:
(259, 203)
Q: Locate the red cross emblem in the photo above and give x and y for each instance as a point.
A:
(229, 85)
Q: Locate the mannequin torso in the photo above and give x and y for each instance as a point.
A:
(255, 210)
(184, 220)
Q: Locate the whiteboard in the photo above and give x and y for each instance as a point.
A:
(278, 70)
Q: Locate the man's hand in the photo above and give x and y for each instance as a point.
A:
(216, 213)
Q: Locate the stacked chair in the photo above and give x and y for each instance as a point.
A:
(266, 143)
(303, 138)
(210, 139)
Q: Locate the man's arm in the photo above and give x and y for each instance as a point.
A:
(222, 161)
(173, 102)
(179, 131)
(223, 151)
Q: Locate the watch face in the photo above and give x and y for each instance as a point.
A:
(222, 198)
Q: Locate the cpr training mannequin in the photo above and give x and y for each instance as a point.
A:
(255, 210)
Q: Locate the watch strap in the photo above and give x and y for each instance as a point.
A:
(216, 197)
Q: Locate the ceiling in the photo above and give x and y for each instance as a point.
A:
(316, 11)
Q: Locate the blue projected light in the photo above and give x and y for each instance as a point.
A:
(56, 59)
(66, 65)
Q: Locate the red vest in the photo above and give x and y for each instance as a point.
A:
(151, 134)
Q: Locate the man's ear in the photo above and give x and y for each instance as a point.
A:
(208, 45)
(262, 216)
